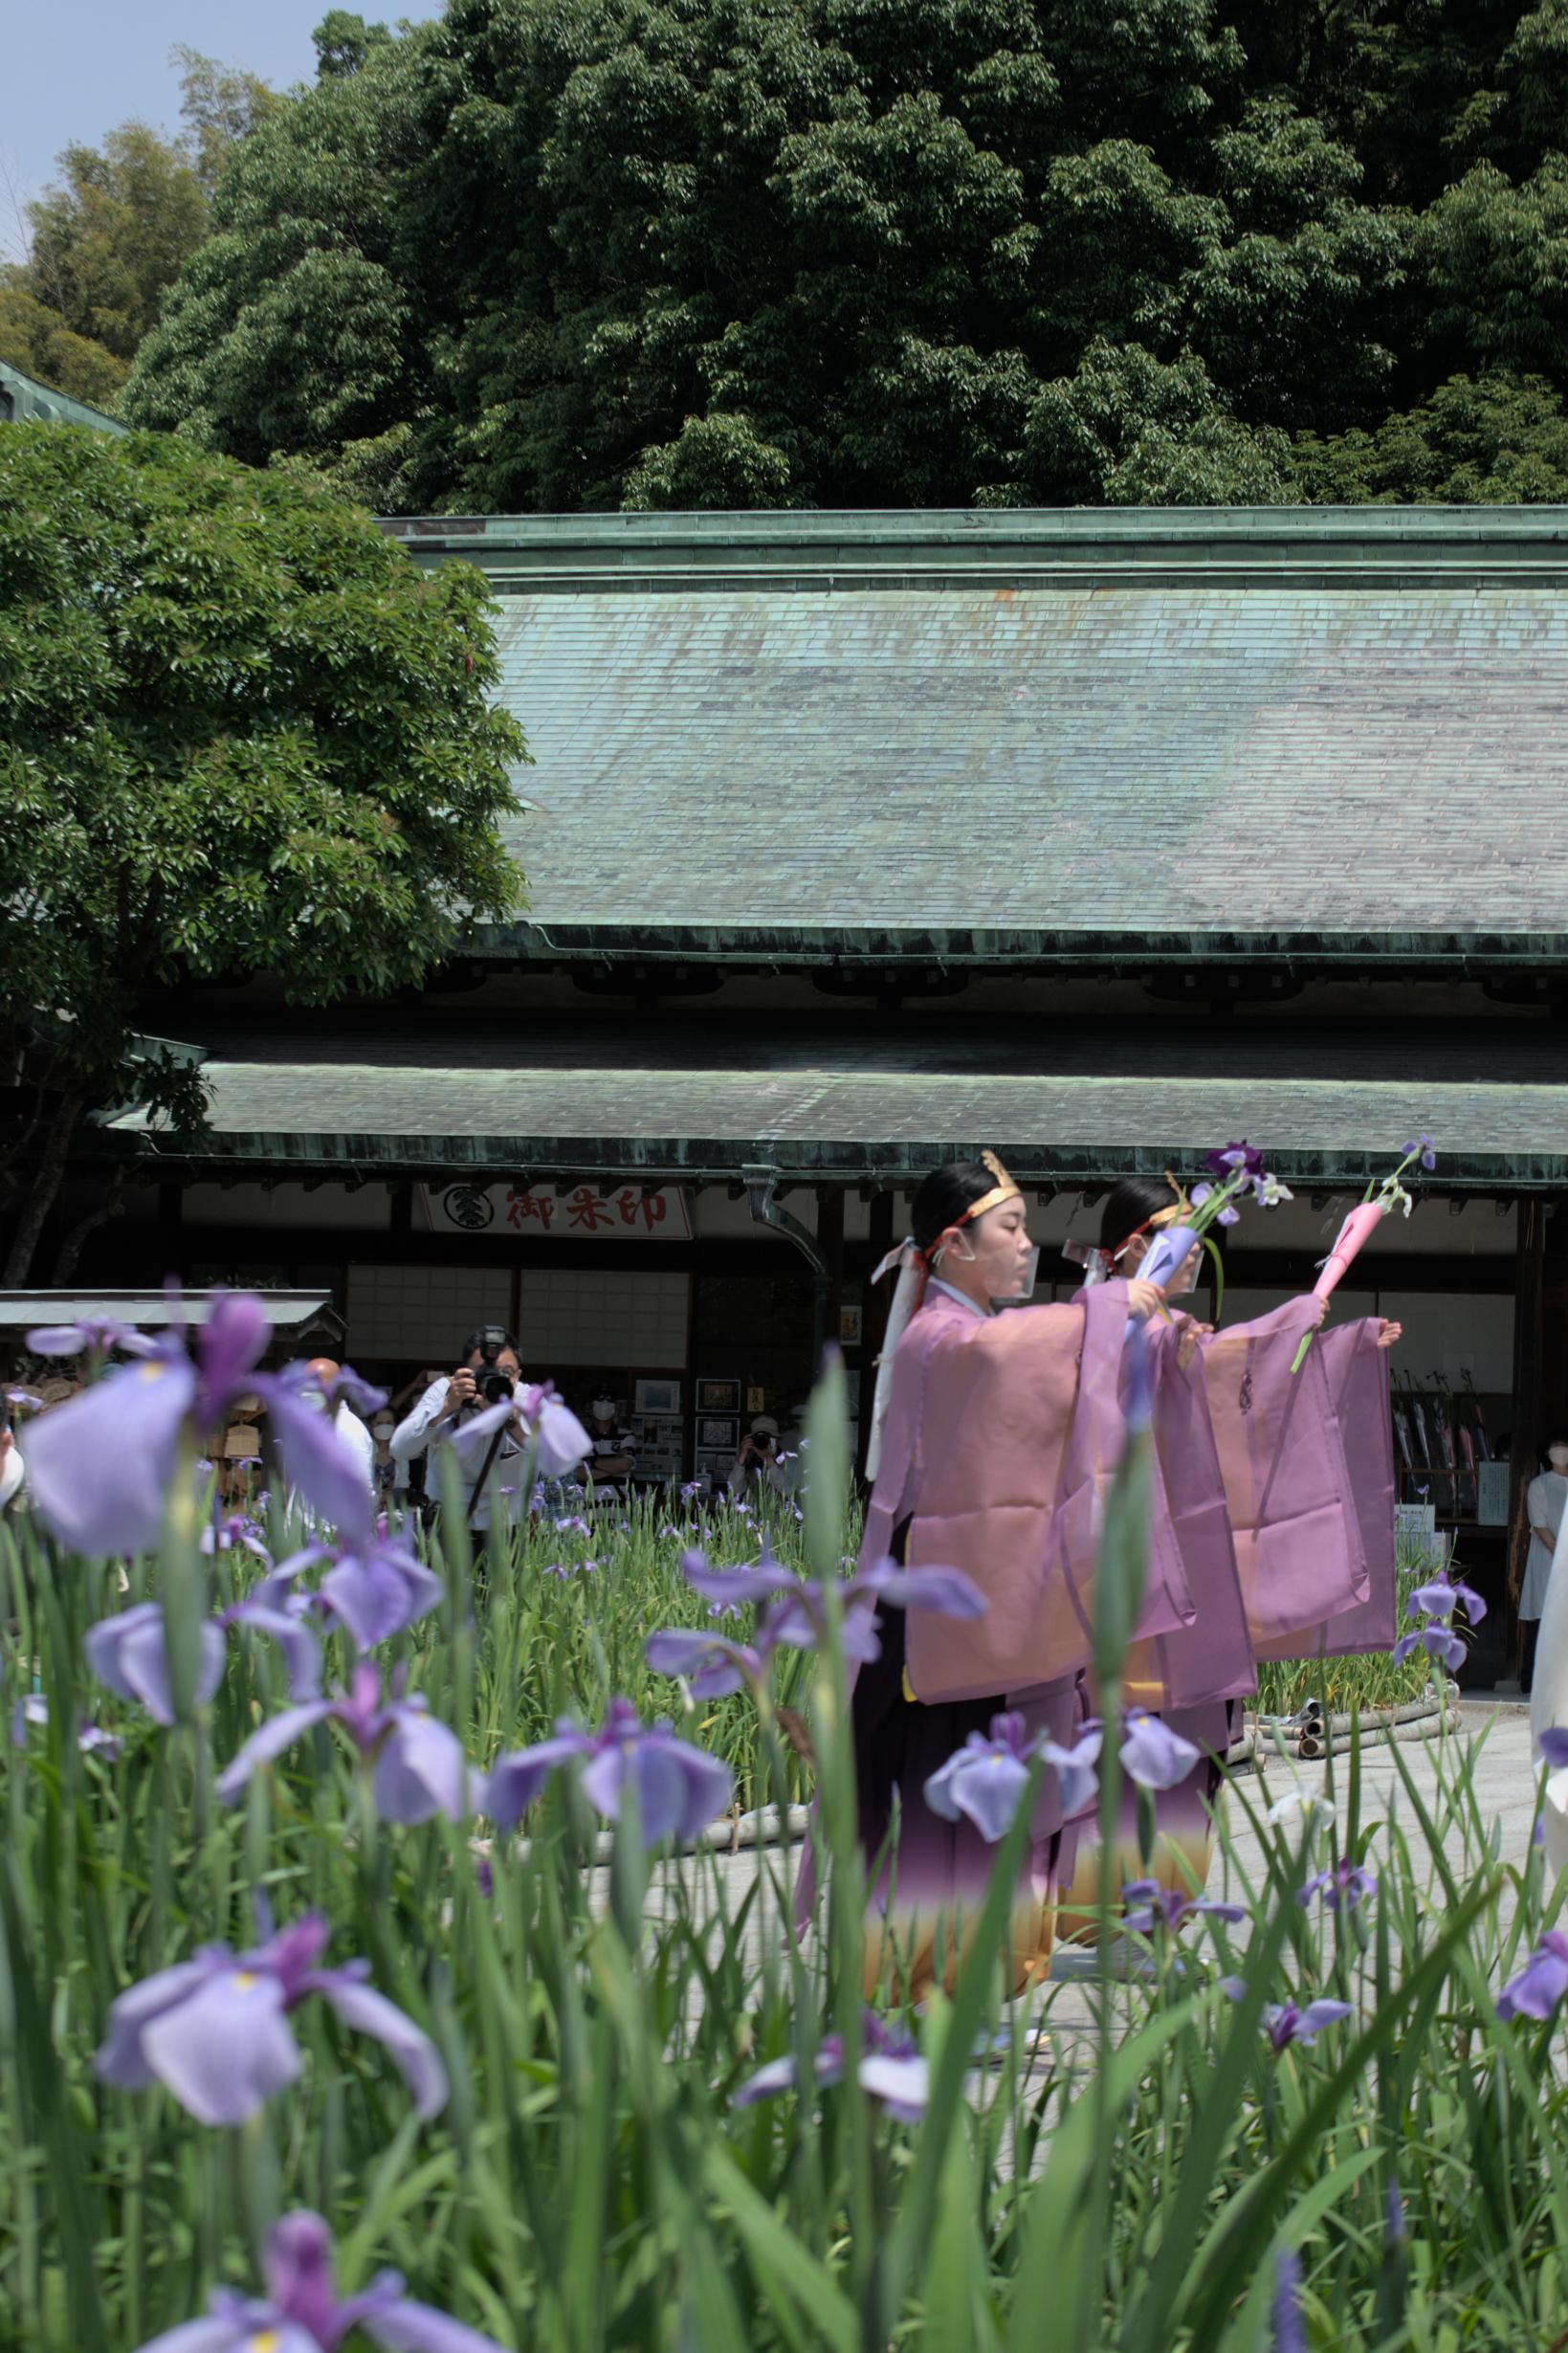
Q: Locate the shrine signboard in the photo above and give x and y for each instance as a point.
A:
(580, 1213)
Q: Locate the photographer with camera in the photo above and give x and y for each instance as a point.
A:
(488, 1375)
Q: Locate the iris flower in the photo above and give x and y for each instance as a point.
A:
(712, 1665)
(557, 1438)
(1152, 1754)
(1287, 2327)
(101, 1466)
(1342, 1888)
(1428, 1149)
(301, 2313)
(379, 1592)
(679, 1790)
(89, 1336)
(129, 1652)
(1542, 1982)
(1166, 1907)
(1436, 1600)
(416, 1765)
(796, 1610)
(1286, 2022)
(984, 1781)
(890, 2070)
(1230, 1215)
(214, 2030)
(1230, 1158)
(91, 1738)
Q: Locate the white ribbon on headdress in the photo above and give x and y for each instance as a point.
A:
(907, 1295)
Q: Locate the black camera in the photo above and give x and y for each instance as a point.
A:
(494, 1388)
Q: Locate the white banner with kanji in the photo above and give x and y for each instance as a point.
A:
(580, 1213)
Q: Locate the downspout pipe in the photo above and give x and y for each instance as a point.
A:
(762, 1184)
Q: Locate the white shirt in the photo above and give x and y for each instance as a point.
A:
(357, 1440)
(13, 1472)
(414, 1432)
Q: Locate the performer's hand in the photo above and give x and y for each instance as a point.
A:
(1144, 1300)
(1322, 1315)
(1387, 1332)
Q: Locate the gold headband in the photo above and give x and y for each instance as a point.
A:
(1004, 1189)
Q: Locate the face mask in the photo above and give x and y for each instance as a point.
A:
(1557, 1457)
(1023, 1295)
(313, 1397)
(383, 1431)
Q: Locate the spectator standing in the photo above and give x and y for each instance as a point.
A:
(614, 1455)
(488, 1362)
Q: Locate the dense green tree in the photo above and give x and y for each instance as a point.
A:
(113, 236)
(238, 731)
(554, 253)
(1496, 439)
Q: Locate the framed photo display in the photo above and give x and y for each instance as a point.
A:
(715, 1464)
(718, 1397)
(719, 1431)
(658, 1396)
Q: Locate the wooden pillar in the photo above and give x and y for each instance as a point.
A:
(1528, 1403)
(873, 1321)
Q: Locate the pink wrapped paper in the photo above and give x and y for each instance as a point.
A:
(1349, 1242)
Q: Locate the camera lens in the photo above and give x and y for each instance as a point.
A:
(495, 1388)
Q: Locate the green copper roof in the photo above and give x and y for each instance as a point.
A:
(23, 401)
(987, 735)
(851, 1113)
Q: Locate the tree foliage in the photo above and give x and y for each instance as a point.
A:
(238, 732)
(554, 254)
(109, 240)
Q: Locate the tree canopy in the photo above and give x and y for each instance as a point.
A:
(554, 254)
(239, 731)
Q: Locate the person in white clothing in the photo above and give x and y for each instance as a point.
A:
(324, 1371)
(1545, 1502)
(13, 1469)
(488, 1363)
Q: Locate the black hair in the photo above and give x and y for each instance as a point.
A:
(1129, 1205)
(941, 1198)
(478, 1341)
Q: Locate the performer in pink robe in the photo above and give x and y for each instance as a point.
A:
(995, 1439)
(1307, 1481)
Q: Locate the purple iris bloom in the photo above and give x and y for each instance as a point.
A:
(1439, 1599)
(1342, 1888)
(1289, 2023)
(92, 1336)
(91, 1738)
(1552, 1743)
(1226, 1216)
(679, 1790)
(1428, 1149)
(558, 1439)
(798, 1614)
(712, 1665)
(1287, 2327)
(1229, 1158)
(1152, 1754)
(100, 1467)
(1437, 1640)
(301, 2313)
(890, 2070)
(416, 1765)
(1542, 1982)
(214, 2030)
(129, 1655)
(1077, 1779)
(986, 1780)
(380, 1592)
(1166, 1907)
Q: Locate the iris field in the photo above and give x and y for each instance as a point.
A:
(320, 2028)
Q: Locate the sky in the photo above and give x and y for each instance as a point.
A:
(74, 69)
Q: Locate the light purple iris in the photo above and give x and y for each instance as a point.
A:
(380, 1592)
(1437, 1601)
(90, 1336)
(91, 1738)
(1226, 1216)
(679, 1790)
(1153, 1906)
(416, 1765)
(1287, 2324)
(1552, 1743)
(557, 1438)
(1342, 1888)
(712, 1665)
(301, 2312)
(986, 1780)
(1428, 1149)
(1152, 1754)
(1542, 1982)
(214, 2030)
(890, 2070)
(796, 1610)
(1288, 2023)
(100, 1467)
(129, 1652)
